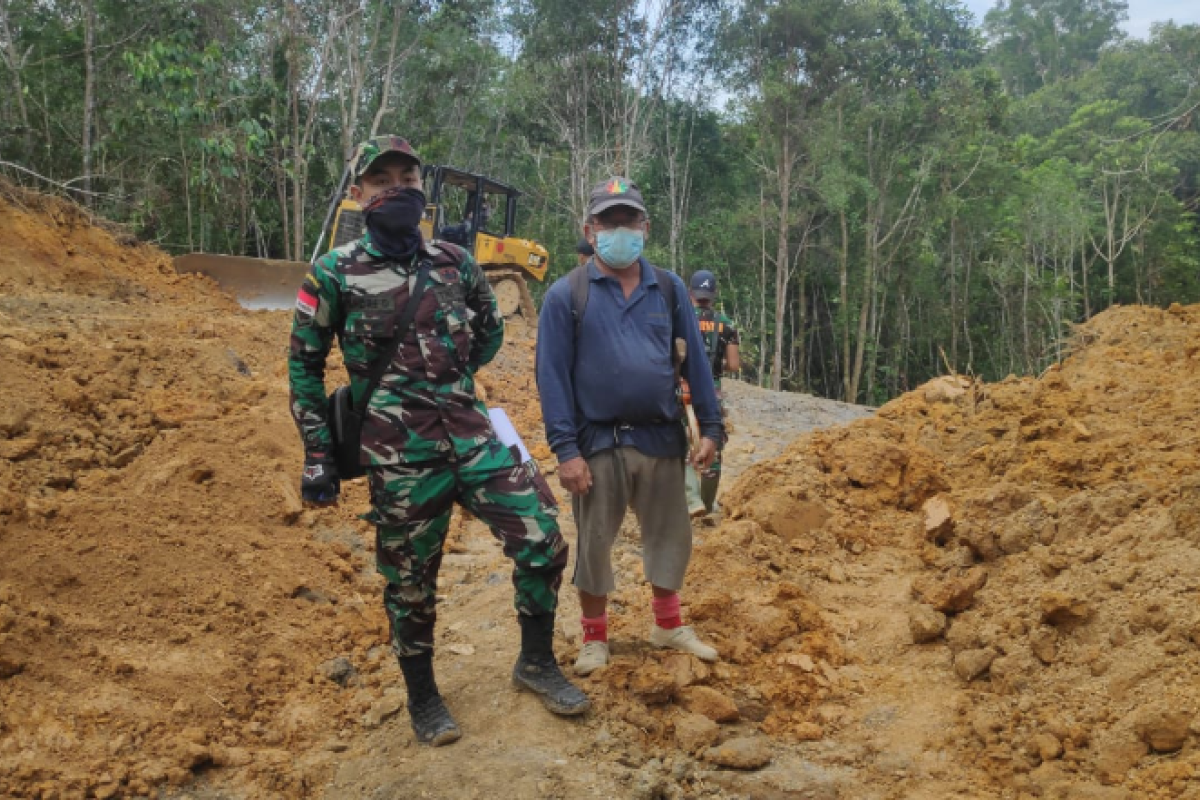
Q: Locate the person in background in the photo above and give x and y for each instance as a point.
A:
(584, 251)
(721, 352)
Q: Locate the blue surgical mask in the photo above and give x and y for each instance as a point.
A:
(620, 248)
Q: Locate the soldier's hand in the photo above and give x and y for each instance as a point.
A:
(575, 476)
(320, 483)
(703, 458)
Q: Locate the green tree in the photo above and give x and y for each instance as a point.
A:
(1035, 43)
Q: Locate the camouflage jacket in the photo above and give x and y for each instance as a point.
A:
(718, 332)
(424, 408)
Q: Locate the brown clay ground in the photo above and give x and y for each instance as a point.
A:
(174, 624)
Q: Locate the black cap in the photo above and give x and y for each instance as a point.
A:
(703, 285)
(584, 248)
(615, 192)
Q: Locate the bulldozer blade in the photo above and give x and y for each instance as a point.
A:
(257, 283)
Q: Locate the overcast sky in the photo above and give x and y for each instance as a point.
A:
(1141, 13)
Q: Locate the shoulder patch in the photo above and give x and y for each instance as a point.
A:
(307, 303)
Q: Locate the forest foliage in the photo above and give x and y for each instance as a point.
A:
(886, 189)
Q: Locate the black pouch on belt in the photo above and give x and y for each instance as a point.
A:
(345, 428)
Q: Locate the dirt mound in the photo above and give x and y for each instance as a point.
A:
(166, 605)
(983, 590)
(1059, 522)
(53, 244)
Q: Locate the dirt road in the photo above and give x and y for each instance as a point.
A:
(979, 590)
(514, 748)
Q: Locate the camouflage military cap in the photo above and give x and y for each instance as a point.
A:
(379, 146)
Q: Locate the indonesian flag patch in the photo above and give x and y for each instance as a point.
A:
(307, 301)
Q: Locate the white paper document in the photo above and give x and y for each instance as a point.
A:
(506, 433)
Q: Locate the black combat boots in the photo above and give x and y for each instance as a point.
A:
(431, 720)
(537, 671)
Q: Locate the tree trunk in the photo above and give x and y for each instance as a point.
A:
(15, 63)
(1083, 279)
(864, 313)
(799, 339)
(952, 255)
(89, 94)
(844, 303)
(294, 99)
(1026, 346)
(762, 289)
(782, 262)
(187, 189)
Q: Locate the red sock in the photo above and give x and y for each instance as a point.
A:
(666, 611)
(595, 629)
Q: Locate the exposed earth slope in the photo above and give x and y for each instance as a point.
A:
(981, 590)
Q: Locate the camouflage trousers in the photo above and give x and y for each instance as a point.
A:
(411, 505)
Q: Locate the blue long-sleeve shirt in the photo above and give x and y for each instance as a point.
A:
(615, 385)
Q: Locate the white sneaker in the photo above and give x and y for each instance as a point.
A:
(682, 638)
(592, 656)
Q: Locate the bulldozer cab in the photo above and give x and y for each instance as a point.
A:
(469, 204)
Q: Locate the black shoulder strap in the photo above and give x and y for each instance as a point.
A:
(580, 284)
(666, 287)
(402, 325)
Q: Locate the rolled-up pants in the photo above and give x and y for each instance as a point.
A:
(411, 505)
(624, 478)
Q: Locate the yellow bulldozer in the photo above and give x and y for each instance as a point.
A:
(464, 208)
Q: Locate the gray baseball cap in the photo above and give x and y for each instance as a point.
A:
(615, 192)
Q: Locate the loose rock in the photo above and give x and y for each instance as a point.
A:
(744, 753)
(694, 732)
(953, 594)
(653, 685)
(970, 664)
(339, 670)
(926, 623)
(1164, 730)
(385, 709)
(710, 703)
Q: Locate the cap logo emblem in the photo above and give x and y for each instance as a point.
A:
(616, 186)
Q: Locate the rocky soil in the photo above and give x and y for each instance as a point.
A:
(980, 590)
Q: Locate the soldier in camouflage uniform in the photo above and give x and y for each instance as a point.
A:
(427, 441)
(721, 348)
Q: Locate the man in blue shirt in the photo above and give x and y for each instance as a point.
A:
(607, 381)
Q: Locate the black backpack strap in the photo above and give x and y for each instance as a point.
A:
(402, 325)
(666, 288)
(580, 285)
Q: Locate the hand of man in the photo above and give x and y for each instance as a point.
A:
(705, 454)
(575, 476)
(320, 484)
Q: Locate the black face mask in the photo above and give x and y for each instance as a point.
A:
(392, 219)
